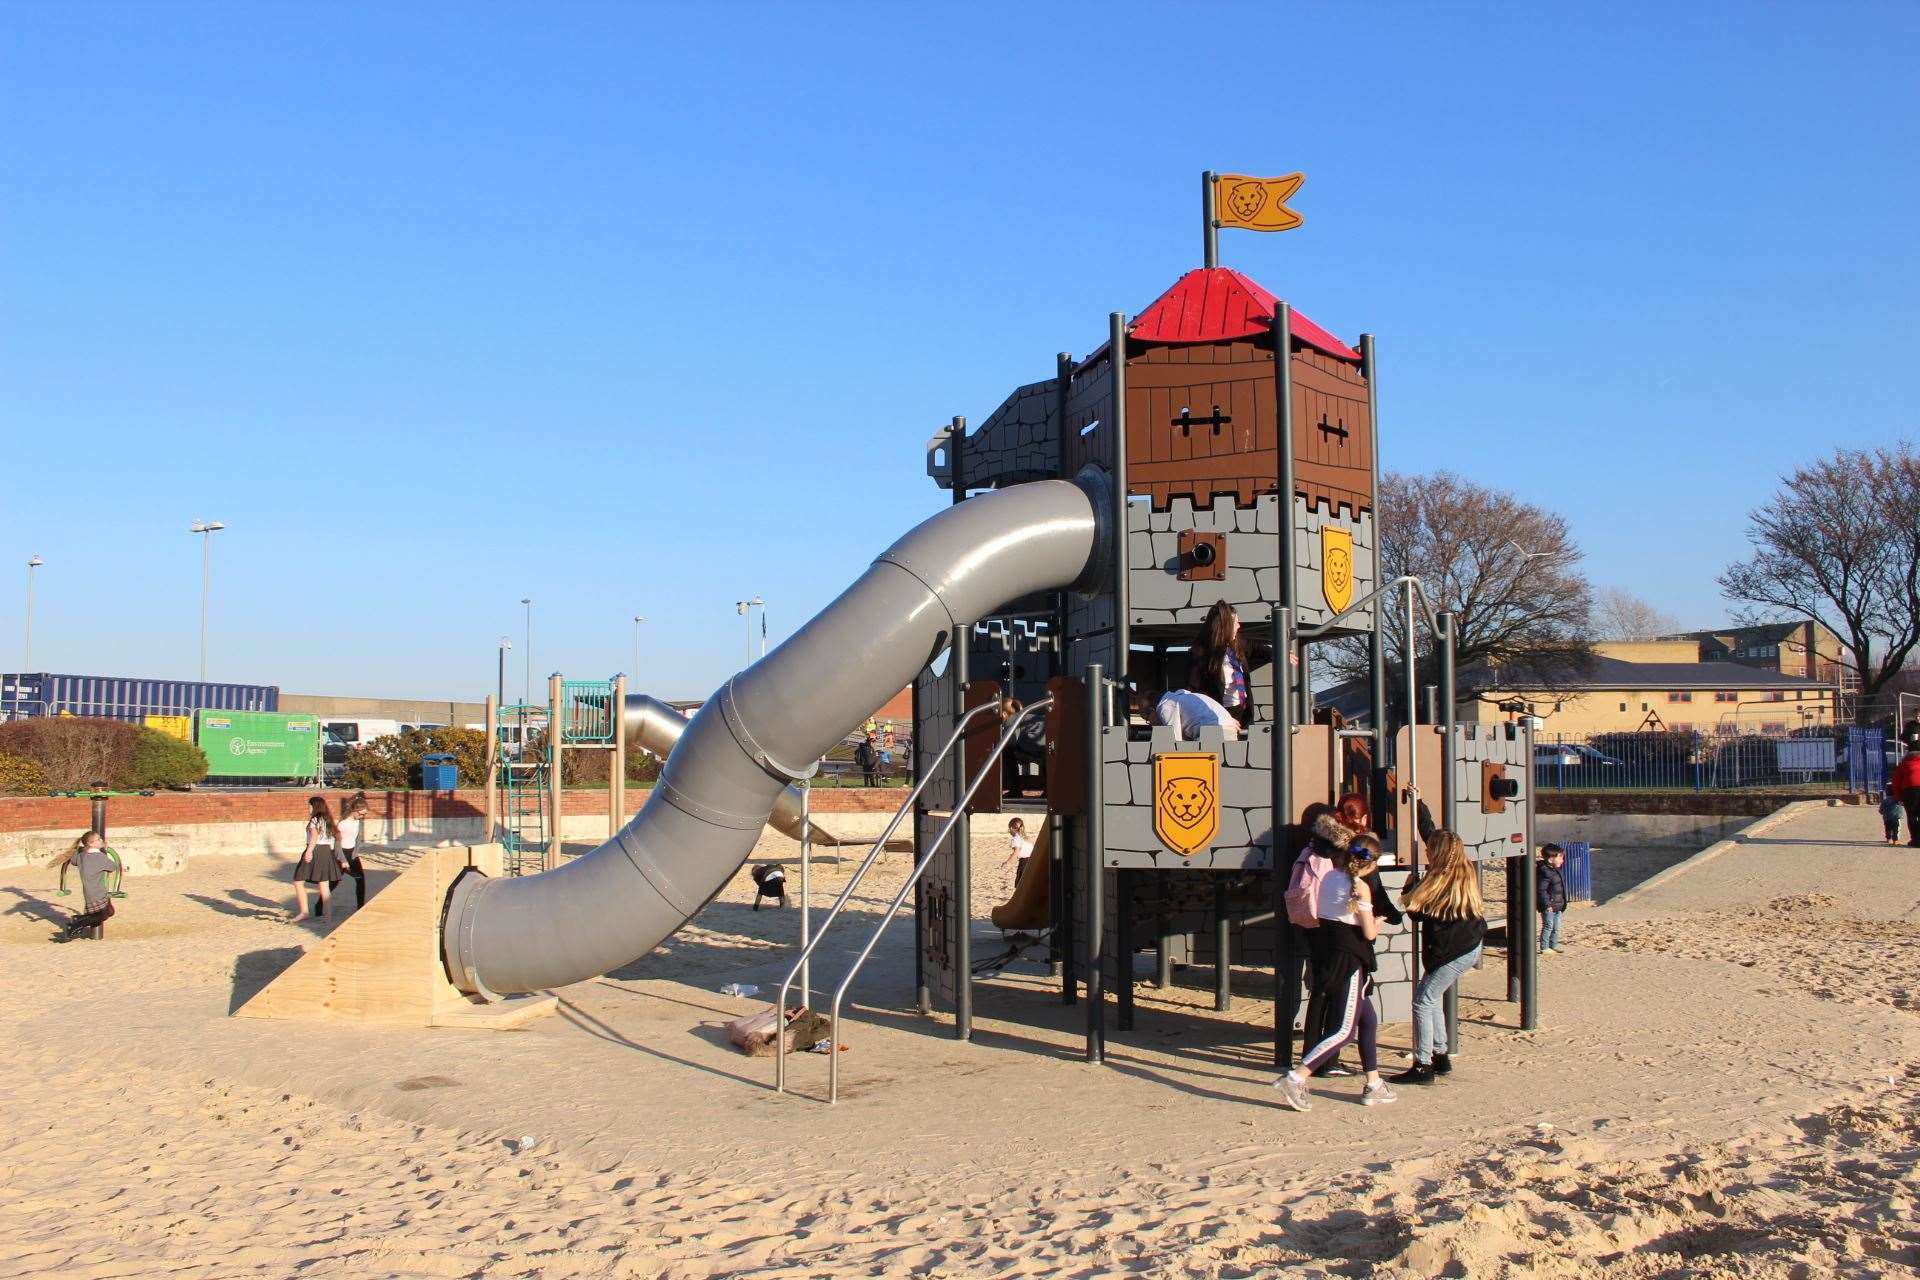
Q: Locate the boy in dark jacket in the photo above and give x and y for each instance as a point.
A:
(1550, 895)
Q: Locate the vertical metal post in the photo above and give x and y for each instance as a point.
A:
(206, 586)
(806, 895)
(617, 771)
(1063, 912)
(501, 692)
(1511, 868)
(491, 832)
(99, 814)
(961, 664)
(1286, 973)
(1528, 942)
(1377, 646)
(1123, 884)
(1287, 957)
(1209, 227)
(1162, 952)
(1449, 790)
(1122, 606)
(556, 780)
(922, 995)
(1283, 394)
(1059, 838)
(1449, 721)
(1223, 947)
(1413, 712)
(1094, 862)
(26, 664)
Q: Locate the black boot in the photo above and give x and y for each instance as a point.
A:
(1418, 1073)
(1442, 1064)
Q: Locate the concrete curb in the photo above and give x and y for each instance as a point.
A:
(1783, 814)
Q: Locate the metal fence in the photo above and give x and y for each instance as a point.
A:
(1835, 758)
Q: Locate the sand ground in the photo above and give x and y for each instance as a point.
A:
(1723, 1085)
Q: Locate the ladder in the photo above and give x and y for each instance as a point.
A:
(522, 781)
(987, 767)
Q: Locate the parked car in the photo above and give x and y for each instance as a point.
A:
(1570, 754)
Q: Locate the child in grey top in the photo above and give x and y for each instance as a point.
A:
(94, 861)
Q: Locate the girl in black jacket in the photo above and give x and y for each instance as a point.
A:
(1446, 904)
(1344, 975)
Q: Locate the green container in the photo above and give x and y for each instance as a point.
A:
(258, 744)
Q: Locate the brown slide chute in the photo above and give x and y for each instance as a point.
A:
(1030, 906)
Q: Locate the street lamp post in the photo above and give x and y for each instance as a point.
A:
(637, 620)
(206, 529)
(744, 609)
(505, 644)
(33, 562)
(527, 695)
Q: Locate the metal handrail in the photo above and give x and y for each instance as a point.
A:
(886, 917)
(873, 855)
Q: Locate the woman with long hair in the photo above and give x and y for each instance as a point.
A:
(1220, 660)
(319, 864)
(1447, 905)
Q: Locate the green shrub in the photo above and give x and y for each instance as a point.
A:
(392, 763)
(161, 760)
(20, 776)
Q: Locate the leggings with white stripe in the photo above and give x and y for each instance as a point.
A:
(1355, 1020)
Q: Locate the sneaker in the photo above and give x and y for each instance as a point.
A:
(1418, 1073)
(1377, 1095)
(1295, 1093)
(1442, 1064)
(1336, 1069)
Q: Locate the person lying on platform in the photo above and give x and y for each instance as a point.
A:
(1189, 711)
(89, 857)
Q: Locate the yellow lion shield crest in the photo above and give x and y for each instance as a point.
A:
(1186, 800)
(1336, 567)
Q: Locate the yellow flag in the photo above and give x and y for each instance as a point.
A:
(1257, 204)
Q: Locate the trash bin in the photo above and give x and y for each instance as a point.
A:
(1579, 871)
(438, 772)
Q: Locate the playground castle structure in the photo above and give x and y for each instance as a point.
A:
(1218, 447)
(1239, 446)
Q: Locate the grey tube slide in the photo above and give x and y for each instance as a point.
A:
(764, 730)
(657, 726)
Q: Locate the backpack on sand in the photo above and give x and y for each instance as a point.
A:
(1303, 888)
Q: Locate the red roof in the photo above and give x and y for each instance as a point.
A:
(1216, 304)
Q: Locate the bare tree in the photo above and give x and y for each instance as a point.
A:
(1839, 543)
(1621, 615)
(1507, 569)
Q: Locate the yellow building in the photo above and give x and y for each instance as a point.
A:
(1658, 687)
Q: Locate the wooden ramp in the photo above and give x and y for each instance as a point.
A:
(381, 966)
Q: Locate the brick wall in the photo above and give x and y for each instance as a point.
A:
(73, 813)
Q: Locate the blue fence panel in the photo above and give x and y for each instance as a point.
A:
(1578, 869)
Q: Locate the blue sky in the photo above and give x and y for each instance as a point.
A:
(639, 309)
